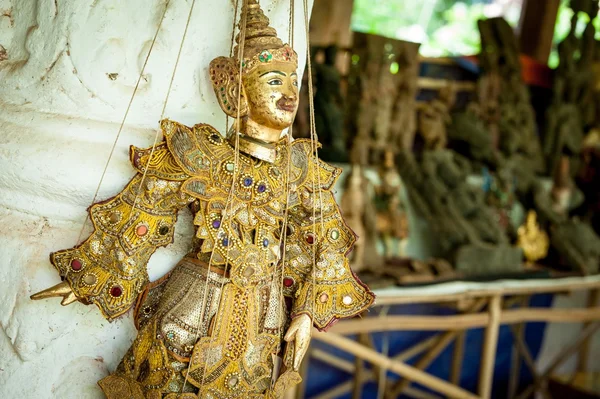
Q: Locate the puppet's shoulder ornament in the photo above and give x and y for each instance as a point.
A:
(307, 170)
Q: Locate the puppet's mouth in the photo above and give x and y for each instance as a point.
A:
(285, 104)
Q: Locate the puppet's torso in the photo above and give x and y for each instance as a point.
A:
(225, 323)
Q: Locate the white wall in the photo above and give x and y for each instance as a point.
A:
(59, 115)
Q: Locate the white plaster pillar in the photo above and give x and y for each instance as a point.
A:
(67, 71)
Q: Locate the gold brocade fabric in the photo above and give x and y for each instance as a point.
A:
(213, 333)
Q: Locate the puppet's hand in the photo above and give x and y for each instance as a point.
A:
(299, 331)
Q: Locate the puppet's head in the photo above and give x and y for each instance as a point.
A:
(269, 81)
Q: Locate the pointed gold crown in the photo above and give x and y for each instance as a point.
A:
(261, 44)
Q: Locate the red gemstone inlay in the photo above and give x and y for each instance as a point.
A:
(76, 264)
(116, 291)
(141, 230)
(310, 238)
(288, 282)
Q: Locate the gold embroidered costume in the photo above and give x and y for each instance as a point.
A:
(269, 251)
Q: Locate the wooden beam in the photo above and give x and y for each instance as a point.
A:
(400, 386)
(342, 364)
(419, 394)
(563, 355)
(336, 391)
(332, 360)
(536, 30)
(425, 360)
(417, 348)
(467, 321)
(565, 286)
(396, 367)
(523, 350)
(490, 343)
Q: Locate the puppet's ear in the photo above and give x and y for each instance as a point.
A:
(225, 78)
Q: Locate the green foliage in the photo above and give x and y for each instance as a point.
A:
(458, 34)
(383, 17)
(444, 27)
(563, 25)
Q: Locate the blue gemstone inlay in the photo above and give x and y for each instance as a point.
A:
(225, 242)
(265, 242)
(247, 181)
(216, 223)
(261, 188)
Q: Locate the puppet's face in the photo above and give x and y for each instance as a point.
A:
(272, 94)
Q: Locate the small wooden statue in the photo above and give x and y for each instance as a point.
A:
(433, 118)
(354, 206)
(392, 222)
(562, 190)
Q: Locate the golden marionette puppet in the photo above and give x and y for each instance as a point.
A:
(269, 254)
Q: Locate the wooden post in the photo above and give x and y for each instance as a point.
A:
(515, 367)
(520, 345)
(488, 355)
(457, 358)
(359, 369)
(357, 378)
(515, 362)
(467, 321)
(537, 28)
(584, 352)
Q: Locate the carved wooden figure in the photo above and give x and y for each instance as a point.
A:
(267, 230)
(392, 222)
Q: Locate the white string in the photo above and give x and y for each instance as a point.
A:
(112, 150)
(284, 225)
(314, 154)
(226, 217)
(162, 114)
